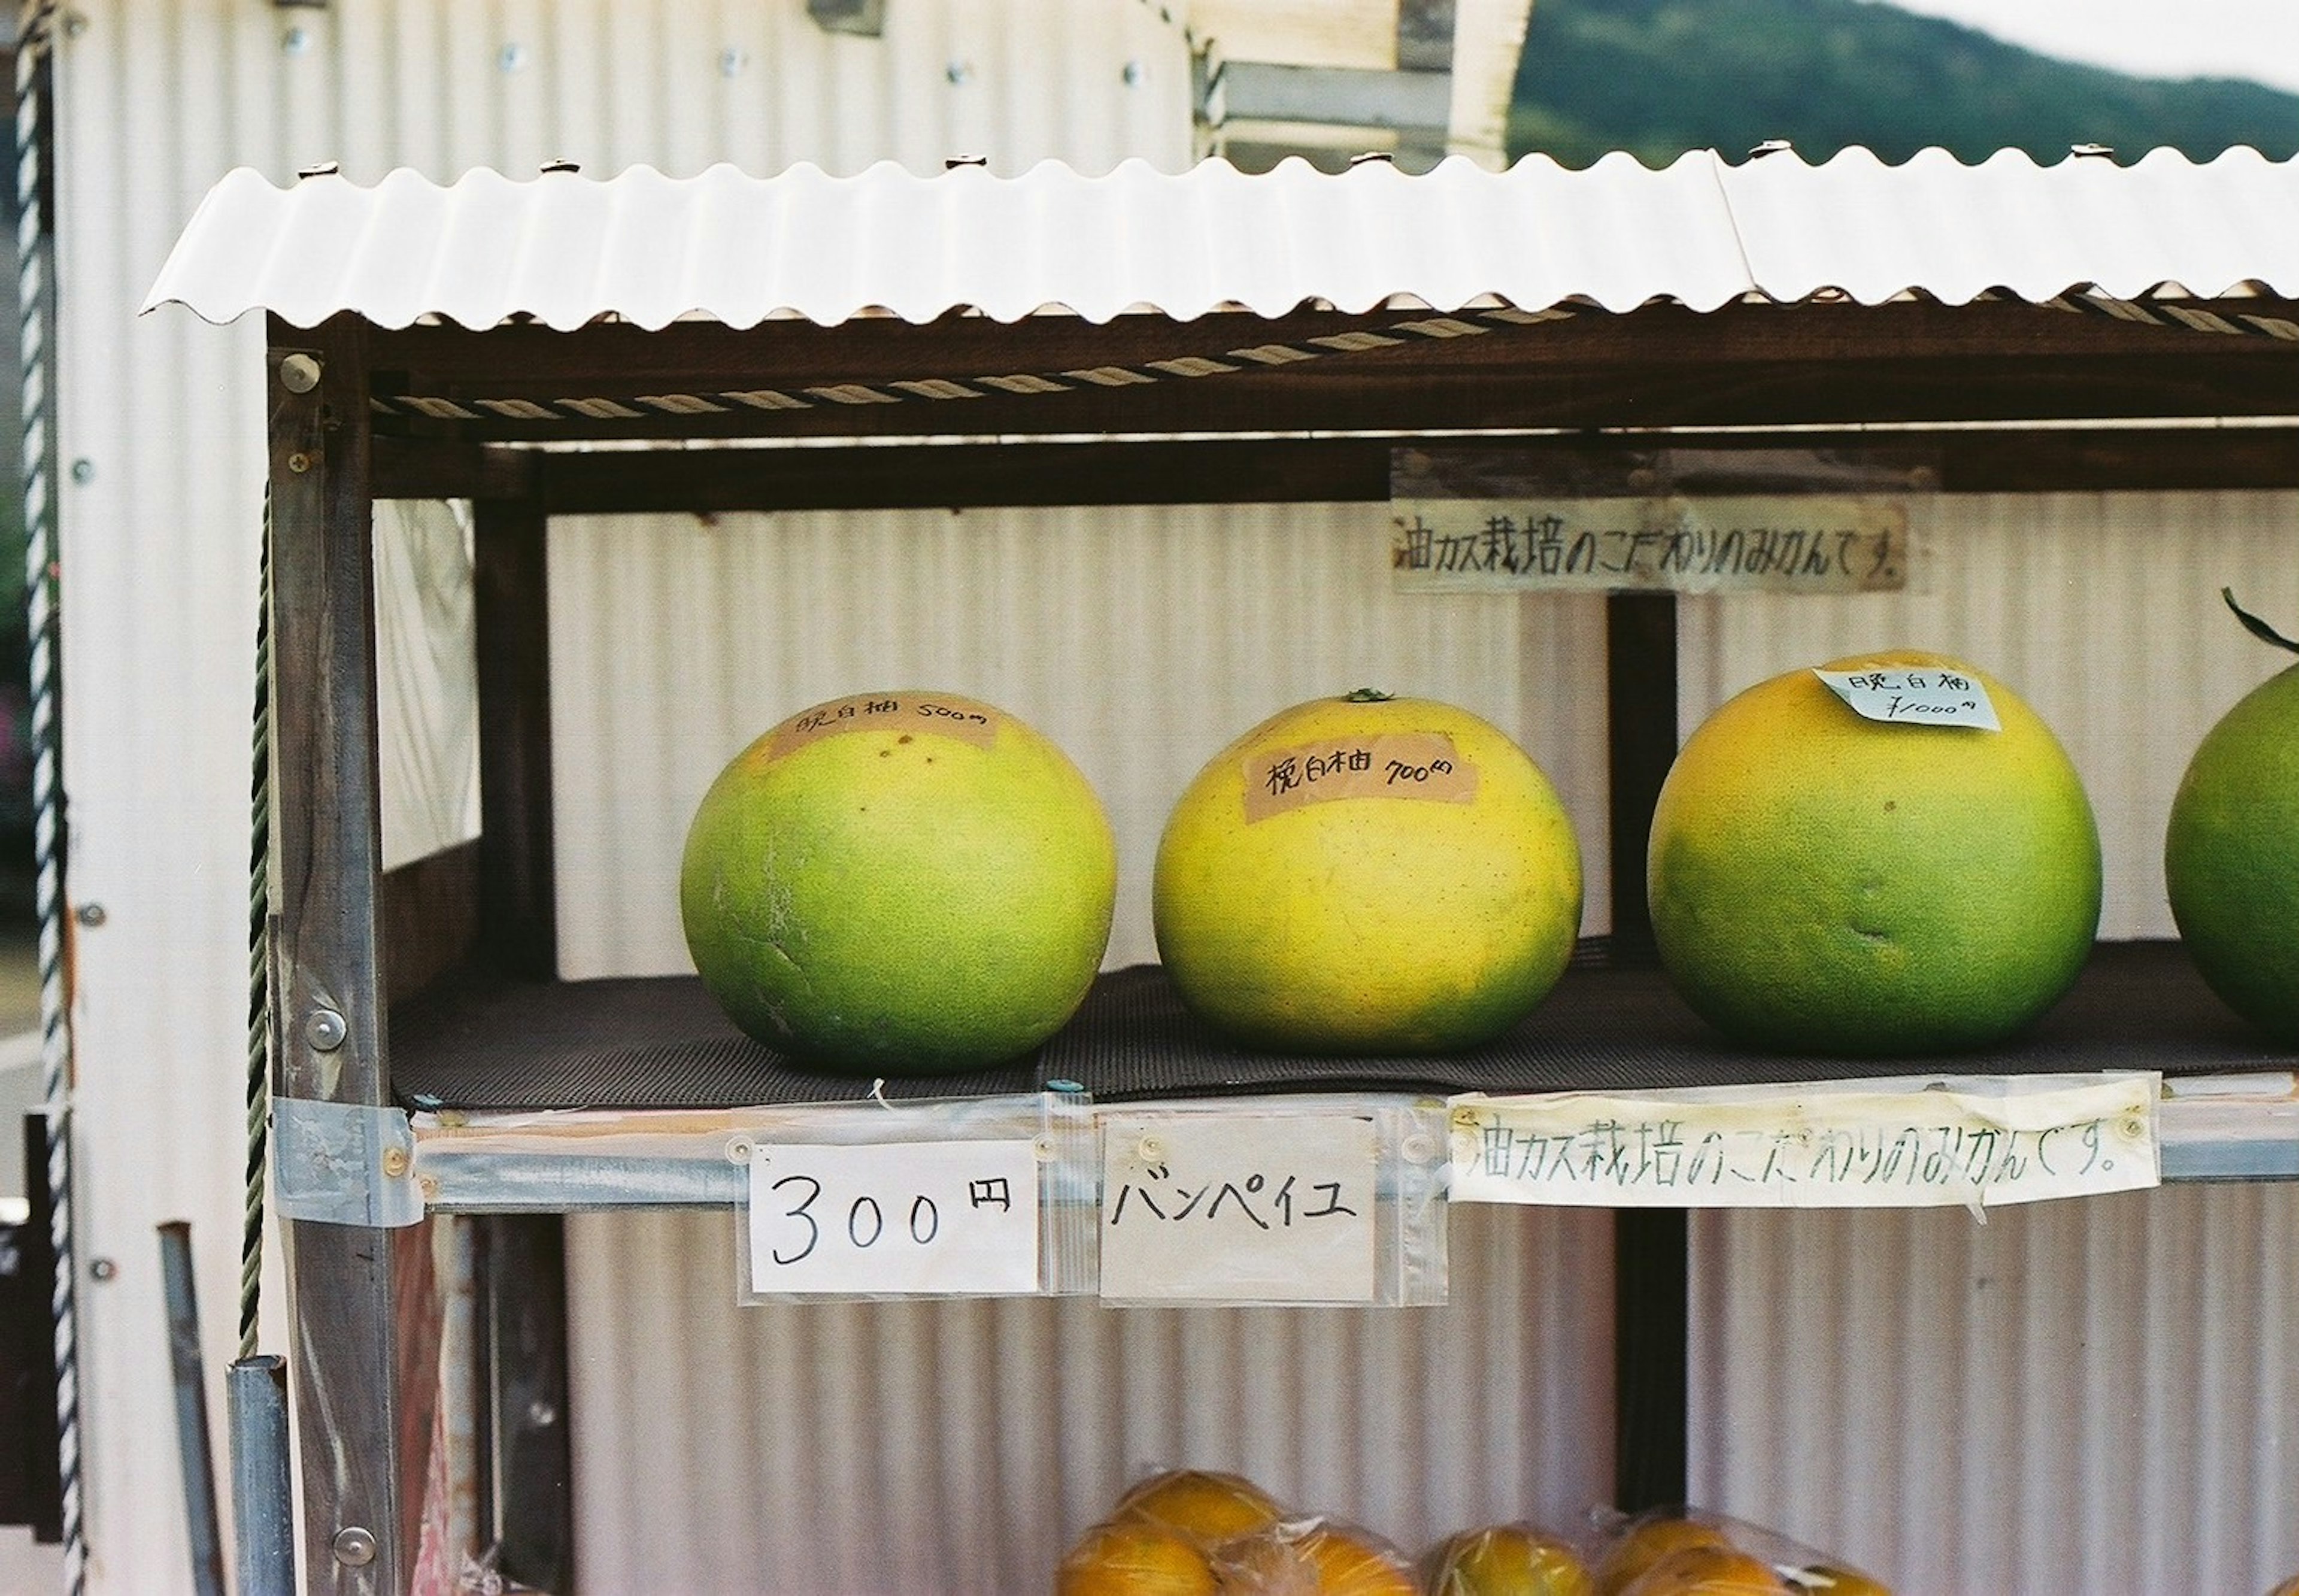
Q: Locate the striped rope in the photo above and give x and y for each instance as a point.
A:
(35, 290)
(259, 987)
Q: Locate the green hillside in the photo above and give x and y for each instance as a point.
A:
(1660, 77)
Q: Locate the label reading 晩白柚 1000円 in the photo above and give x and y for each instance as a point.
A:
(1914, 695)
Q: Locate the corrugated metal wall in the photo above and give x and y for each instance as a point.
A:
(2094, 1397)
(159, 97)
(955, 1448)
(156, 100)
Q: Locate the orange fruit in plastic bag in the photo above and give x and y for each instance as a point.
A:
(1709, 1571)
(1510, 1560)
(1134, 1557)
(1828, 1579)
(1356, 1563)
(1315, 1559)
(1648, 1543)
(1204, 1503)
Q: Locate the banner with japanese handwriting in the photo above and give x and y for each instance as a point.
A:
(1763, 543)
(1972, 1142)
(1238, 1208)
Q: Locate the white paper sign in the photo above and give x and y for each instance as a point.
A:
(1217, 1208)
(931, 1217)
(1918, 696)
(1974, 1141)
(1765, 542)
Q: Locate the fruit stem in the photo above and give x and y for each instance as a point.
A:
(2256, 626)
(1375, 695)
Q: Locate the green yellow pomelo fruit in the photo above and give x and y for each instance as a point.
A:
(900, 883)
(1367, 875)
(2231, 856)
(1820, 882)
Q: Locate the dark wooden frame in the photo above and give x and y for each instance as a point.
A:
(1580, 392)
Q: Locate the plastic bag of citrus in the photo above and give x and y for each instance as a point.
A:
(1507, 1559)
(1692, 1552)
(1314, 1557)
(1162, 1535)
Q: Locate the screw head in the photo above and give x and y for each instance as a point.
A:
(394, 1162)
(299, 373)
(354, 1546)
(83, 471)
(102, 1269)
(90, 914)
(325, 1030)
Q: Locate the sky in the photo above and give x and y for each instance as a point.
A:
(2257, 39)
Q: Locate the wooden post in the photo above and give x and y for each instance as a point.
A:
(518, 918)
(326, 1020)
(1650, 1248)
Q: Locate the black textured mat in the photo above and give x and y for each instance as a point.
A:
(661, 1042)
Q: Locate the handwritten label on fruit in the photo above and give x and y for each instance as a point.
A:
(1765, 542)
(944, 716)
(1917, 696)
(1973, 1142)
(925, 1218)
(1221, 1208)
(1423, 765)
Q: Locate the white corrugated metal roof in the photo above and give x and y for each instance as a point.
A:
(564, 249)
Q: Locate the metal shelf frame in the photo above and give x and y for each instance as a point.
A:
(360, 411)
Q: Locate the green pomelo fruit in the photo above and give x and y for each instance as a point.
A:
(2231, 856)
(900, 883)
(1823, 883)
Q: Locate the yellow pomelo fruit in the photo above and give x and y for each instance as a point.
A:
(1367, 875)
(1510, 1560)
(900, 883)
(1206, 1504)
(1646, 1542)
(1821, 882)
(1134, 1557)
(2231, 856)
